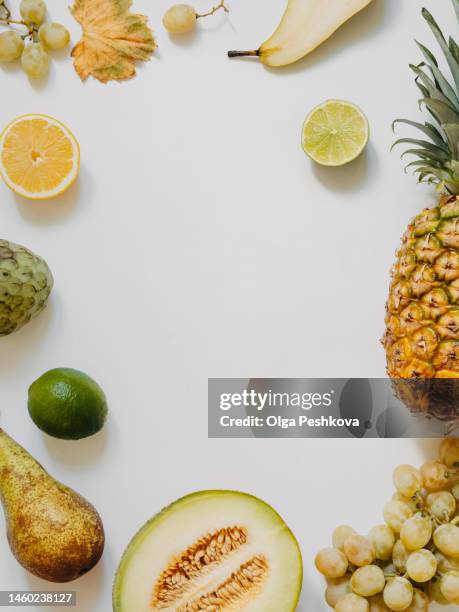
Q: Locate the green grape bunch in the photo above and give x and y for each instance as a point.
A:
(30, 38)
(410, 560)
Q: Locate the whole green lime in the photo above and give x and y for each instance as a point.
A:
(67, 404)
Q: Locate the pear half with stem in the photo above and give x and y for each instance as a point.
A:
(52, 531)
(305, 25)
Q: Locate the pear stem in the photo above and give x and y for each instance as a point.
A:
(244, 53)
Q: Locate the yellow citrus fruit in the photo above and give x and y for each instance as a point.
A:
(335, 133)
(39, 157)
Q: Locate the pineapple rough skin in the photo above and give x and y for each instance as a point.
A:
(422, 315)
(422, 312)
(422, 321)
(25, 285)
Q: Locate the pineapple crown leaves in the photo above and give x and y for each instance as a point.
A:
(438, 157)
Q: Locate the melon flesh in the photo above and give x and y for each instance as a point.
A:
(213, 550)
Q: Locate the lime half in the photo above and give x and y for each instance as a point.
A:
(335, 133)
(67, 404)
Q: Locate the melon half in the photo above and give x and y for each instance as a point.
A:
(214, 551)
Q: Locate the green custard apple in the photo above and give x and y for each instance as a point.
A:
(211, 550)
(25, 285)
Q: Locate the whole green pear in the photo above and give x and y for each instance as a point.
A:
(53, 531)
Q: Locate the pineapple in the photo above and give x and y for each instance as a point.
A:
(422, 311)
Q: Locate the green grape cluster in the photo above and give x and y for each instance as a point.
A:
(412, 559)
(32, 46)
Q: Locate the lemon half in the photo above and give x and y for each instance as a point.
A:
(39, 157)
(335, 133)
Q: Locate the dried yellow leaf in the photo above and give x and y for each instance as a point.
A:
(113, 39)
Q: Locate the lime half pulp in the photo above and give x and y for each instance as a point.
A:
(335, 133)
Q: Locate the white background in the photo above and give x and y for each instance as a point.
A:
(199, 241)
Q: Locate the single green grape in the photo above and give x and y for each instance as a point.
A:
(368, 581)
(35, 61)
(446, 564)
(420, 602)
(398, 594)
(407, 480)
(449, 587)
(421, 566)
(446, 538)
(396, 513)
(400, 556)
(352, 603)
(409, 501)
(359, 550)
(54, 36)
(336, 590)
(441, 504)
(377, 604)
(383, 539)
(416, 532)
(33, 11)
(340, 535)
(331, 562)
(435, 594)
(11, 46)
(449, 452)
(180, 19)
(435, 475)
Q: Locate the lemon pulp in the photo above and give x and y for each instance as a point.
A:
(39, 157)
